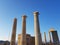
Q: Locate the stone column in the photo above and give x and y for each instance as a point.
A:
(50, 37)
(13, 37)
(45, 37)
(23, 37)
(38, 39)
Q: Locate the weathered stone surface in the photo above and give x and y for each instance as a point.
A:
(13, 37)
(23, 36)
(38, 39)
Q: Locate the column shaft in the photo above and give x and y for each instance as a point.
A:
(45, 37)
(50, 37)
(13, 37)
(23, 38)
(38, 40)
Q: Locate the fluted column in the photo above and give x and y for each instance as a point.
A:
(38, 39)
(23, 37)
(13, 37)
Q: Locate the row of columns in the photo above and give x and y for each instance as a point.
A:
(38, 39)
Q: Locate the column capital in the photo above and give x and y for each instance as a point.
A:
(15, 18)
(36, 13)
(24, 16)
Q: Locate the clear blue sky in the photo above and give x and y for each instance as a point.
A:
(49, 16)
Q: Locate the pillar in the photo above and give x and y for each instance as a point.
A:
(13, 37)
(23, 37)
(38, 39)
(50, 37)
(45, 37)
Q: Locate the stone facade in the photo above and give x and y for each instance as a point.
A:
(29, 39)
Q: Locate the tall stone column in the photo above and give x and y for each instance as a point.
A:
(50, 37)
(38, 39)
(45, 37)
(23, 36)
(13, 37)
